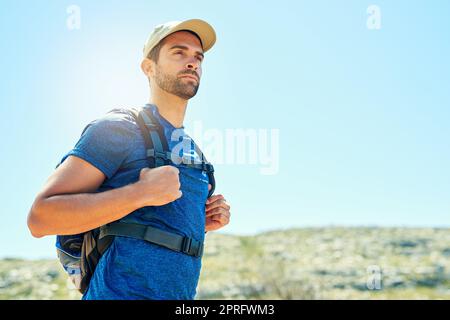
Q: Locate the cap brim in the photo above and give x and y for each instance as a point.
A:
(203, 29)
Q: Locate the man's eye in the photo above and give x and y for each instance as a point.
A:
(179, 52)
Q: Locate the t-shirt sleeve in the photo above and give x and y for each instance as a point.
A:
(105, 143)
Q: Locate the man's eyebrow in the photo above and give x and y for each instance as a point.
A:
(177, 46)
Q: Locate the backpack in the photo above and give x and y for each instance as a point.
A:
(79, 254)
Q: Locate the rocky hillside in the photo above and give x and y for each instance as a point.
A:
(315, 263)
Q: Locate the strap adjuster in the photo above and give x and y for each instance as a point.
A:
(164, 156)
(186, 246)
(192, 247)
(157, 154)
(208, 167)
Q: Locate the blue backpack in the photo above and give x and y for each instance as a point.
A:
(79, 254)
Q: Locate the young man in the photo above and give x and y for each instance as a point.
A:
(105, 178)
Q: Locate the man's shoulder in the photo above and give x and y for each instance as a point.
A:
(119, 114)
(115, 119)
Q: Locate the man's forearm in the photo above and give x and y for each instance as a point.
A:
(77, 213)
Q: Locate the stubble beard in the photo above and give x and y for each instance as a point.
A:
(176, 86)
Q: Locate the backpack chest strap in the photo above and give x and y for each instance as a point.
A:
(157, 236)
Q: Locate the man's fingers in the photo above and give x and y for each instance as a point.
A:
(218, 204)
(218, 210)
(217, 221)
(213, 224)
(222, 218)
(209, 186)
(214, 198)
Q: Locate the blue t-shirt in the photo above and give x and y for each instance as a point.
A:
(133, 268)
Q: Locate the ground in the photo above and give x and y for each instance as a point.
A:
(313, 263)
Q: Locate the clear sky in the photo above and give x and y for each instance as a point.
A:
(363, 114)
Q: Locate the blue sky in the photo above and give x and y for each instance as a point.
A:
(363, 115)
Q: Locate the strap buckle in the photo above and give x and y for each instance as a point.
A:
(186, 246)
(192, 247)
(208, 167)
(164, 156)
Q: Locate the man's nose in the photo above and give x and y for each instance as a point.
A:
(192, 64)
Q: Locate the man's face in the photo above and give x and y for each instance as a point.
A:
(179, 70)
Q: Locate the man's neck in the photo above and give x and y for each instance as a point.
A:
(171, 107)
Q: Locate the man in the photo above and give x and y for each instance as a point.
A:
(105, 178)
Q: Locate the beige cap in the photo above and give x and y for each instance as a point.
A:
(205, 32)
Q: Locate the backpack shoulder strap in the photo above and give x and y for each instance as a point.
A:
(157, 148)
(138, 118)
(208, 167)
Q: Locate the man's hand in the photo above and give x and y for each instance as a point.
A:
(217, 212)
(159, 186)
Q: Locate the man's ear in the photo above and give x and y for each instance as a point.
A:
(147, 67)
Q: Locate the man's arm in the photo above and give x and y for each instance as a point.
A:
(67, 203)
